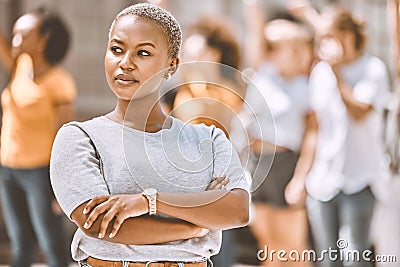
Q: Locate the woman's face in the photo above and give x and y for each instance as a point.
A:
(292, 57)
(26, 36)
(137, 49)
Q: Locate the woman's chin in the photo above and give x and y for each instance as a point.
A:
(129, 95)
(123, 96)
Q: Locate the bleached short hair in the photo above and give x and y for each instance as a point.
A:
(164, 19)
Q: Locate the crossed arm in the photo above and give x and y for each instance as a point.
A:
(140, 230)
(121, 218)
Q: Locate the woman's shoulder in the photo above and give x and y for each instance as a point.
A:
(70, 137)
(57, 76)
(374, 63)
(368, 67)
(75, 129)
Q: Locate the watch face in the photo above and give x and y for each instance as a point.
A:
(150, 191)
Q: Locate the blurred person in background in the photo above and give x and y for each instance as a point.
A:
(287, 141)
(210, 39)
(385, 232)
(36, 102)
(349, 89)
(218, 99)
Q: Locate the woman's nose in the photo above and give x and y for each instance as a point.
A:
(127, 62)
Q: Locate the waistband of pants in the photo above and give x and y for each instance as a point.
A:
(103, 263)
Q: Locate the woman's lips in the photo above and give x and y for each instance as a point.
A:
(125, 79)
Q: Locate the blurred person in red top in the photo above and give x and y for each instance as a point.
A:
(215, 101)
(36, 102)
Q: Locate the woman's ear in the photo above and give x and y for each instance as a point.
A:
(173, 65)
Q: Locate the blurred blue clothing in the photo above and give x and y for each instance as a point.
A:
(26, 199)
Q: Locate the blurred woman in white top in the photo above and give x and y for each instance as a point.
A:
(282, 140)
(349, 93)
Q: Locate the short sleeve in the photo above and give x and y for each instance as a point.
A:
(373, 87)
(322, 85)
(74, 169)
(62, 88)
(226, 162)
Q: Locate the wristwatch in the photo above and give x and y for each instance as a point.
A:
(151, 195)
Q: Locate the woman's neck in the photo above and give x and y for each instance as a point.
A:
(289, 75)
(353, 56)
(144, 114)
(40, 66)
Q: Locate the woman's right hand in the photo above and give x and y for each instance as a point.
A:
(218, 183)
(120, 207)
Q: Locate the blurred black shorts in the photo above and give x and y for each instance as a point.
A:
(269, 182)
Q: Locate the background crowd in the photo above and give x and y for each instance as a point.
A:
(319, 116)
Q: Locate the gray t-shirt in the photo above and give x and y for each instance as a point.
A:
(121, 160)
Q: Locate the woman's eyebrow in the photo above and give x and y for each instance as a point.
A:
(146, 44)
(117, 41)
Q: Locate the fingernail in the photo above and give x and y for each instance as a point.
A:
(86, 225)
(101, 235)
(111, 235)
(84, 211)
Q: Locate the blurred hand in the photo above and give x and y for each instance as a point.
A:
(295, 192)
(298, 7)
(330, 50)
(218, 183)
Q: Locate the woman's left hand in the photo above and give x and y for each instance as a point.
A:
(218, 183)
(119, 207)
(295, 192)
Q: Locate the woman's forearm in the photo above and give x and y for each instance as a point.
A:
(214, 210)
(6, 59)
(140, 230)
(355, 108)
(255, 45)
(308, 147)
(393, 10)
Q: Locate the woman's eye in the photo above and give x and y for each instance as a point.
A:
(116, 49)
(143, 53)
